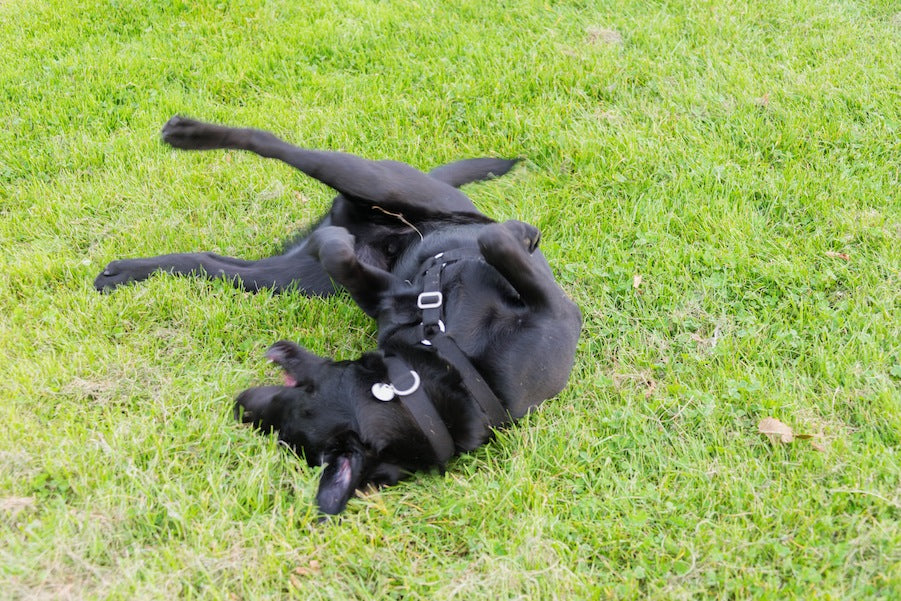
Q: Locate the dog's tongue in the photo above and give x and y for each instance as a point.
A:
(290, 381)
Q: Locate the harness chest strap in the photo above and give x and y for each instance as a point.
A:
(434, 335)
(406, 385)
(473, 381)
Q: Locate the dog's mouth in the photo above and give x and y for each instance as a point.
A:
(289, 380)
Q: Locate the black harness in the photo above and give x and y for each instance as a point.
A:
(430, 333)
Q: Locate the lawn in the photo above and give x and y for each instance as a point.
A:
(717, 184)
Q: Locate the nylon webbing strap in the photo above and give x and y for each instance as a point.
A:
(422, 410)
(431, 299)
(433, 335)
(448, 350)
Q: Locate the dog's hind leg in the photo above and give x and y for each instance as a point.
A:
(460, 173)
(390, 185)
(295, 269)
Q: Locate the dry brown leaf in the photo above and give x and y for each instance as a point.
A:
(313, 568)
(775, 430)
(763, 101)
(842, 256)
(636, 282)
(818, 444)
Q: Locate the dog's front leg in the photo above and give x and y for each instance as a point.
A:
(334, 247)
(511, 248)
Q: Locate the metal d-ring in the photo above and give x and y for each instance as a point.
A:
(413, 388)
(387, 392)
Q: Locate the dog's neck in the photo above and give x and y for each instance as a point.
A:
(450, 394)
(405, 385)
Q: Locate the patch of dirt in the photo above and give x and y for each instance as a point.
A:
(639, 380)
(601, 35)
(14, 505)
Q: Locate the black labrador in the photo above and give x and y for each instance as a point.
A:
(473, 330)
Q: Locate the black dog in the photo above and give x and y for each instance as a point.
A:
(473, 330)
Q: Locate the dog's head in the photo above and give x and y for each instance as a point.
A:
(315, 411)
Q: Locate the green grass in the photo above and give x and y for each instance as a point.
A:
(743, 158)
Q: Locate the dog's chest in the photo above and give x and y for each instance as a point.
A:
(434, 297)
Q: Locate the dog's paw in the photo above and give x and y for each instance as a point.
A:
(117, 273)
(502, 242)
(188, 134)
(526, 233)
(331, 244)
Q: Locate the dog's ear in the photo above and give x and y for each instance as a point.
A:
(346, 465)
(298, 363)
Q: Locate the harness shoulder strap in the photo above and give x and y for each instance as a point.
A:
(491, 406)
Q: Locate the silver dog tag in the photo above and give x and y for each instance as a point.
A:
(383, 392)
